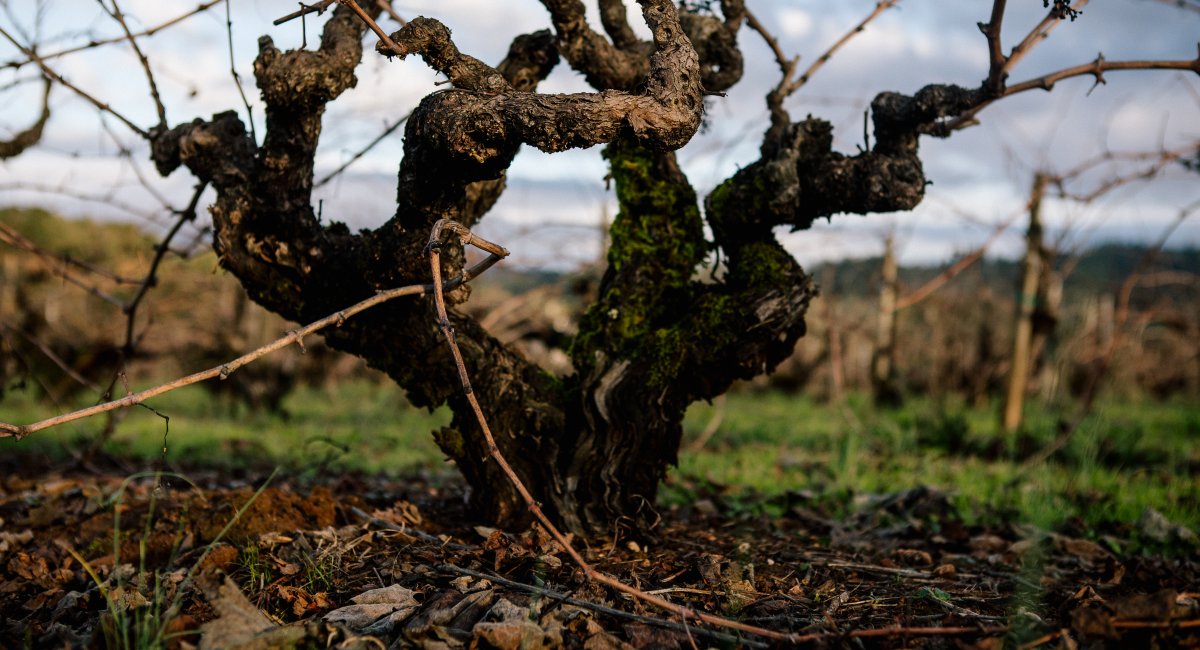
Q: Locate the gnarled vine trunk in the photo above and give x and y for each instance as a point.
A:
(593, 446)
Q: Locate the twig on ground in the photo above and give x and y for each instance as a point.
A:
(466, 238)
(408, 530)
(595, 607)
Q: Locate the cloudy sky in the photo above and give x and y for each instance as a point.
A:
(550, 214)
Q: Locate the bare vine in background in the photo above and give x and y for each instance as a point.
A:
(1092, 388)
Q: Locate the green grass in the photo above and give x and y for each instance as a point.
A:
(1124, 458)
(357, 426)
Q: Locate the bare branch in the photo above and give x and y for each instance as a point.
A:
(314, 8)
(787, 67)
(125, 153)
(880, 7)
(957, 268)
(1095, 68)
(8, 430)
(116, 39)
(991, 31)
(237, 79)
(57, 77)
(1038, 34)
(386, 5)
(370, 21)
(10, 236)
(130, 308)
(1157, 162)
(786, 64)
(107, 199)
(27, 138)
(390, 129)
(50, 354)
(115, 13)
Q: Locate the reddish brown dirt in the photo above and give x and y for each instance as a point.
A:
(903, 571)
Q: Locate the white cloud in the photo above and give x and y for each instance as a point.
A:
(795, 22)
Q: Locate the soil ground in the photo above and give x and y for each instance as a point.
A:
(95, 558)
